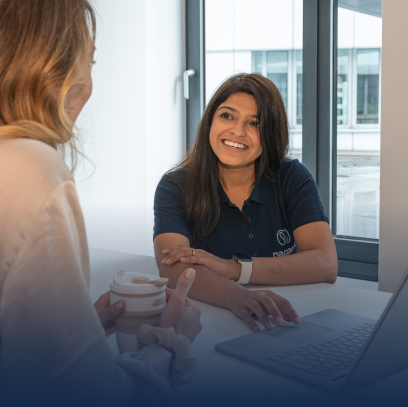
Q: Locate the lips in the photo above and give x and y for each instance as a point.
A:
(234, 144)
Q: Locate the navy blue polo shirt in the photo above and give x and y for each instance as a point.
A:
(264, 227)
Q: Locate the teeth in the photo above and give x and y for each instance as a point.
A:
(232, 144)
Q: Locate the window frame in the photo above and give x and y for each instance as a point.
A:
(195, 59)
(358, 258)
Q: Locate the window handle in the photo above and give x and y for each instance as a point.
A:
(188, 74)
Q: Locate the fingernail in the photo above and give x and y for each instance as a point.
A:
(255, 328)
(165, 250)
(119, 305)
(183, 258)
(279, 320)
(190, 273)
(163, 261)
(297, 320)
(268, 325)
(168, 261)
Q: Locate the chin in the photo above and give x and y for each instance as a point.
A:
(232, 164)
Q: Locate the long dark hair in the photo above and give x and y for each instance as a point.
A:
(200, 171)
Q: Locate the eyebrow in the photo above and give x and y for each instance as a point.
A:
(235, 110)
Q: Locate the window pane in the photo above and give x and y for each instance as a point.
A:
(342, 86)
(299, 86)
(257, 57)
(358, 119)
(270, 44)
(368, 85)
(277, 72)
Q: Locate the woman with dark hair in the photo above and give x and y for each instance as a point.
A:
(240, 211)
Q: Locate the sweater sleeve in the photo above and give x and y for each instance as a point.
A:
(51, 336)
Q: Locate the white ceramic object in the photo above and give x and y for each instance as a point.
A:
(145, 302)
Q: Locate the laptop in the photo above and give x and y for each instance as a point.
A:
(333, 351)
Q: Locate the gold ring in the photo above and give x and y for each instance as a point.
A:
(193, 252)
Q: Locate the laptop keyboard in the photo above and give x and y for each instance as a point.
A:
(328, 357)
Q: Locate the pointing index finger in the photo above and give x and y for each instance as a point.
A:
(184, 284)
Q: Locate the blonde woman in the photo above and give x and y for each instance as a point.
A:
(52, 342)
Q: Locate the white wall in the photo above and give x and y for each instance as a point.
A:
(393, 260)
(133, 126)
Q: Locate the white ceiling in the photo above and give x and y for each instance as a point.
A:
(372, 7)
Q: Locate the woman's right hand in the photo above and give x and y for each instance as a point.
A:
(180, 312)
(263, 303)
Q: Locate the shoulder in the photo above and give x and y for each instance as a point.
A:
(30, 171)
(176, 176)
(34, 160)
(33, 179)
(293, 168)
(172, 182)
(293, 171)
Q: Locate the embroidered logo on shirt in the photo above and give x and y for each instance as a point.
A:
(283, 237)
(286, 252)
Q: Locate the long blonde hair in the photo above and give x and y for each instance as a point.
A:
(44, 51)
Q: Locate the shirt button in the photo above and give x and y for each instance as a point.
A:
(251, 235)
(249, 219)
(255, 254)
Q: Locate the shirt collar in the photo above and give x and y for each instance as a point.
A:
(221, 193)
(258, 193)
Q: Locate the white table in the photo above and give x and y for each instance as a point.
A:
(218, 376)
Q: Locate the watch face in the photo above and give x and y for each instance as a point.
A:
(242, 257)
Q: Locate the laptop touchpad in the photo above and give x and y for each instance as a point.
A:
(297, 333)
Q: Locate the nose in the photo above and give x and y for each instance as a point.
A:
(238, 130)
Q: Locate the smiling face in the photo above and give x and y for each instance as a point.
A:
(234, 133)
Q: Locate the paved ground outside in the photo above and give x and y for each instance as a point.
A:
(358, 195)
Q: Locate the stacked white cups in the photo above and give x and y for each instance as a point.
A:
(145, 302)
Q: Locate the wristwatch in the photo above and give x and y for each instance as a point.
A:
(246, 270)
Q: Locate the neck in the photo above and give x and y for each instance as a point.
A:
(232, 178)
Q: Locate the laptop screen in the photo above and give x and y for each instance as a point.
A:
(386, 351)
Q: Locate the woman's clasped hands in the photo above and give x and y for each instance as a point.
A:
(229, 269)
(245, 303)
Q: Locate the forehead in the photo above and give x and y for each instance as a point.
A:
(241, 102)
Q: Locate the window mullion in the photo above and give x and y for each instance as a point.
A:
(320, 87)
(264, 65)
(290, 89)
(195, 59)
(354, 89)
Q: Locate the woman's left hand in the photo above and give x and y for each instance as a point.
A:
(229, 269)
(108, 312)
